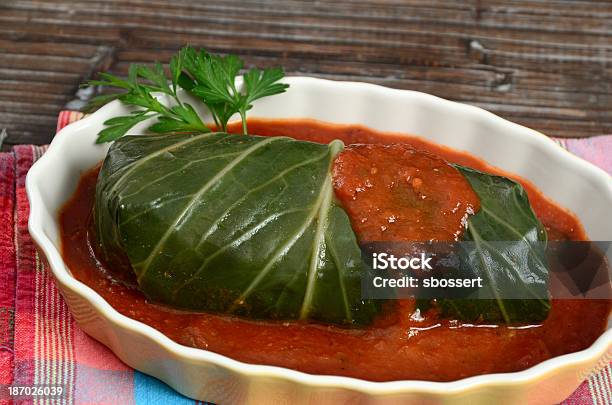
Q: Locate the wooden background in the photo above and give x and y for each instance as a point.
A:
(544, 64)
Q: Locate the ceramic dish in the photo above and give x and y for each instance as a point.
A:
(568, 180)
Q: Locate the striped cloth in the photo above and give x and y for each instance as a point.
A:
(41, 344)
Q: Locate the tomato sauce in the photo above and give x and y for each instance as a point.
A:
(402, 343)
(398, 193)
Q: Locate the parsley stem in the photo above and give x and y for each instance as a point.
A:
(244, 122)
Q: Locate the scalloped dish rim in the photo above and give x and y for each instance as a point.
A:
(41, 220)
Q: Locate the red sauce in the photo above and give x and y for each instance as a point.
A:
(401, 344)
(566, 226)
(395, 192)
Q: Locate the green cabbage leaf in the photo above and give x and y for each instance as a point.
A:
(234, 224)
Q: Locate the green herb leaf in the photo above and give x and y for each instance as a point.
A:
(189, 115)
(176, 69)
(110, 80)
(156, 76)
(185, 82)
(261, 84)
(99, 101)
(119, 126)
(235, 224)
(165, 125)
(211, 78)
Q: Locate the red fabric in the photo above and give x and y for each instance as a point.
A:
(7, 264)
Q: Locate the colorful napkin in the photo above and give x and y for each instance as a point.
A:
(40, 343)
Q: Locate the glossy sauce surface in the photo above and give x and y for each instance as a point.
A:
(399, 193)
(403, 343)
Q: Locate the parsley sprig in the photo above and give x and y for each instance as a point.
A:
(210, 78)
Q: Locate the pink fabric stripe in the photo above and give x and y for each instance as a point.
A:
(7, 246)
(582, 396)
(7, 266)
(596, 149)
(61, 119)
(67, 117)
(25, 324)
(43, 341)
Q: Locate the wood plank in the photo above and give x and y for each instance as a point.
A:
(545, 64)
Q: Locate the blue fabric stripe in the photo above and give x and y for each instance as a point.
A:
(150, 391)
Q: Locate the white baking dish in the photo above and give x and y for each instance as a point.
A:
(568, 180)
